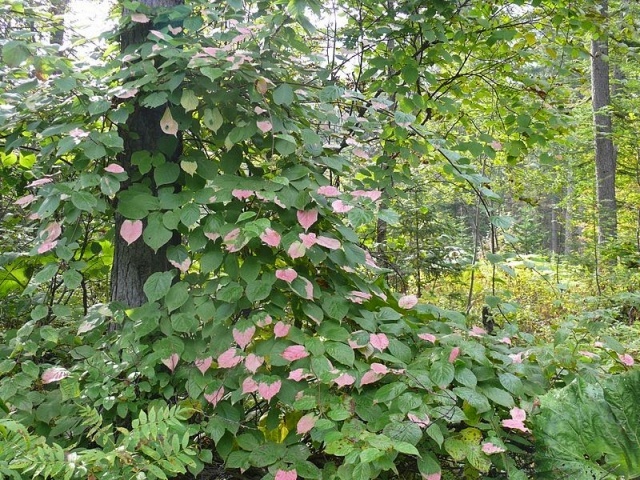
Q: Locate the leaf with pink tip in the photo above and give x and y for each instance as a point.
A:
(306, 218)
(286, 274)
(114, 168)
(47, 246)
(203, 364)
(229, 359)
(182, 266)
(626, 359)
(330, 243)
(26, 200)
(306, 423)
(489, 448)
(54, 374)
(296, 375)
(340, 207)
(253, 362)
(308, 288)
(408, 301)
(422, 422)
(241, 194)
(281, 329)
(329, 191)
(379, 368)
(294, 352)
(172, 361)
(379, 341)
(286, 475)
(344, 380)
(139, 18)
(308, 239)
(264, 125)
(429, 337)
(131, 230)
(269, 390)
(369, 377)
(249, 385)
(243, 338)
(215, 397)
(518, 416)
(271, 237)
(455, 351)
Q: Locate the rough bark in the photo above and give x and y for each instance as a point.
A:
(133, 264)
(605, 154)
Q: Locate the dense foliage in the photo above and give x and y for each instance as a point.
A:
(294, 204)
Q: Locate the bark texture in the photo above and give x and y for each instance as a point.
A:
(133, 264)
(605, 154)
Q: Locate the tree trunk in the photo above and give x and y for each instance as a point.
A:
(605, 156)
(568, 217)
(133, 264)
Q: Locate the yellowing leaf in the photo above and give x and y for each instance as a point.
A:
(212, 119)
(471, 435)
(189, 101)
(168, 124)
(189, 167)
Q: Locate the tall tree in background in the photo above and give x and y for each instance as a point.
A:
(605, 154)
(134, 263)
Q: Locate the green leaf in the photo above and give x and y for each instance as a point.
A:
(155, 233)
(388, 392)
(267, 454)
(341, 352)
(189, 101)
(185, 323)
(473, 398)
(166, 173)
(14, 53)
(157, 285)
(407, 432)
(336, 307)
(230, 293)
(177, 296)
(258, 290)
(499, 396)
(84, 201)
(283, 95)
(442, 373)
(512, 383)
(213, 119)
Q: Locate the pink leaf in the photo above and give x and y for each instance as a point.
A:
(427, 337)
(40, 181)
(359, 152)
(518, 416)
(306, 218)
(253, 362)
(46, 246)
(286, 274)
(53, 231)
(496, 145)
(259, 110)
(626, 359)
(345, 379)
(131, 230)
(379, 341)
(477, 331)
(139, 18)
(269, 390)
(328, 191)
(123, 94)
(243, 338)
(372, 195)
(379, 368)
(215, 397)
(489, 448)
(369, 260)
(114, 168)
(241, 194)
(369, 377)
(340, 207)
(330, 243)
(516, 357)
(78, 133)
(182, 266)
(408, 301)
(286, 475)
(358, 297)
(281, 329)
(229, 359)
(294, 352)
(54, 374)
(264, 125)
(308, 239)
(305, 424)
(203, 364)
(267, 320)
(168, 124)
(506, 340)
(296, 375)
(172, 361)
(422, 422)
(590, 354)
(26, 200)
(432, 476)
(271, 237)
(249, 385)
(174, 30)
(296, 250)
(455, 351)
